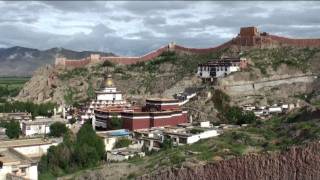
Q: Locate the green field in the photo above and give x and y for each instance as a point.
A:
(10, 86)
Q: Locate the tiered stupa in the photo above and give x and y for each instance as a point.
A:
(108, 95)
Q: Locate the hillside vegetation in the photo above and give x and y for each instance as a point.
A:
(162, 77)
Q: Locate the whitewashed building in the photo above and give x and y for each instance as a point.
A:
(122, 154)
(33, 148)
(38, 126)
(14, 165)
(110, 137)
(221, 67)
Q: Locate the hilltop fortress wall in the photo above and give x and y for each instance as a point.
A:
(249, 37)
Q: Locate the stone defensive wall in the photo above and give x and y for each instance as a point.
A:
(183, 49)
(248, 37)
(296, 42)
(134, 60)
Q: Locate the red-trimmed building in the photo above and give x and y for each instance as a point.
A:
(156, 113)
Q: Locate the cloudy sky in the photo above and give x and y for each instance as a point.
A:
(134, 28)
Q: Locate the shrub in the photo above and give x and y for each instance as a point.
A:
(167, 143)
(12, 129)
(235, 115)
(122, 142)
(58, 129)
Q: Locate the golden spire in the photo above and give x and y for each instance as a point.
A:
(108, 81)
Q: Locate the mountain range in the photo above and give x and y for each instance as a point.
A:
(23, 61)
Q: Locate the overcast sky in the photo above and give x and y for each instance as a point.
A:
(134, 28)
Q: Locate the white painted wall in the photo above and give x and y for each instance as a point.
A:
(275, 109)
(32, 172)
(29, 130)
(220, 71)
(4, 171)
(203, 135)
(37, 150)
(109, 97)
(109, 143)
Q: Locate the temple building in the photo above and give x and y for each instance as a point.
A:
(108, 95)
(156, 113)
(221, 67)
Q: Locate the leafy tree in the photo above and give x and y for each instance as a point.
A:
(89, 147)
(12, 129)
(44, 109)
(235, 115)
(58, 129)
(84, 150)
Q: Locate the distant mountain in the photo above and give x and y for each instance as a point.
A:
(22, 61)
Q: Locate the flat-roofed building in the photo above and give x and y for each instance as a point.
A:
(110, 137)
(14, 165)
(33, 148)
(221, 67)
(38, 126)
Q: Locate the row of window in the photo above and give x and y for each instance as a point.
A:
(225, 68)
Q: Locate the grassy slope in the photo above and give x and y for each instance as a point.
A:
(273, 135)
(298, 58)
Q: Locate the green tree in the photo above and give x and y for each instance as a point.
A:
(13, 129)
(235, 115)
(89, 147)
(58, 129)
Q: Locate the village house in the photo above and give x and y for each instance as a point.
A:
(122, 154)
(14, 165)
(180, 135)
(110, 137)
(32, 148)
(266, 111)
(38, 126)
(221, 67)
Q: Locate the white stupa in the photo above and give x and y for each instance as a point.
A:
(108, 95)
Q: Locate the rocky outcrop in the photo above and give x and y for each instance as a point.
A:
(295, 164)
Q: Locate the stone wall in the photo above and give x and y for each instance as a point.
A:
(248, 37)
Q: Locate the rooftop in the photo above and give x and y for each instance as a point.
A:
(24, 142)
(42, 121)
(162, 99)
(119, 132)
(11, 156)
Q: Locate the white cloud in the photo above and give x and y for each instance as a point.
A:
(137, 27)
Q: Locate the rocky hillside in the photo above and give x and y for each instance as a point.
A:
(162, 77)
(282, 74)
(21, 61)
(297, 163)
